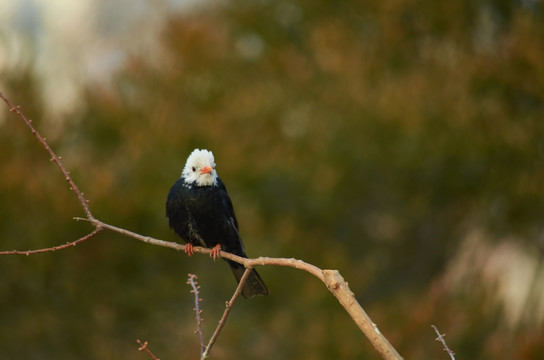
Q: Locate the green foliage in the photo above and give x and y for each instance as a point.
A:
(369, 137)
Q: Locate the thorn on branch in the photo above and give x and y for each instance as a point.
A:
(143, 346)
(198, 312)
(441, 339)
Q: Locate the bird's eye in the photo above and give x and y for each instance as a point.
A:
(194, 168)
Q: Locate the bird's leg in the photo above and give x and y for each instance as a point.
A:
(215, 251)
(189, 249)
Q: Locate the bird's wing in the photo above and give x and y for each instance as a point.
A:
(231, 238)
(228, 208)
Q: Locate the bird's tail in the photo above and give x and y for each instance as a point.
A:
(253, 286)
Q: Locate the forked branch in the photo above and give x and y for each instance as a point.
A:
(143, 346)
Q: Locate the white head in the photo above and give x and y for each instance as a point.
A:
(200, 168)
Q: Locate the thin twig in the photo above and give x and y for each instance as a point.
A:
(194, 284)
(56, 159)
(54, 248)
(443, 341)
(226, 313)
(143, 346)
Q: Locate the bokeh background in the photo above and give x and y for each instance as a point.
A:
(400, 142)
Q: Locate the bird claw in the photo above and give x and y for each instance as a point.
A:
(215, 251)
(189, 249)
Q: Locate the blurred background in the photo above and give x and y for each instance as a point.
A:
(399, 142)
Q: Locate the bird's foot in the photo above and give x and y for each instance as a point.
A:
(189, 249)
(215, 251)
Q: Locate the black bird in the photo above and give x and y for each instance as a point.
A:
(200, 212)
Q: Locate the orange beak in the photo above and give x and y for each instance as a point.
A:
(206, 170)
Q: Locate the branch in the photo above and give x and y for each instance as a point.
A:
(192, 281)
(223, 320)
(54, 248)
(339, 288)
(56, 159)
(443, 341)
(332, 278)
(143, 346)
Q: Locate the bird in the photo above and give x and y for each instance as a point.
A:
(200, 211)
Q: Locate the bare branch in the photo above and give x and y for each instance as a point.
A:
(194, 284)
(443, 341)
(226, 313)
(56, 159)
(143, 346)
(54, 248)
(339, 288)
